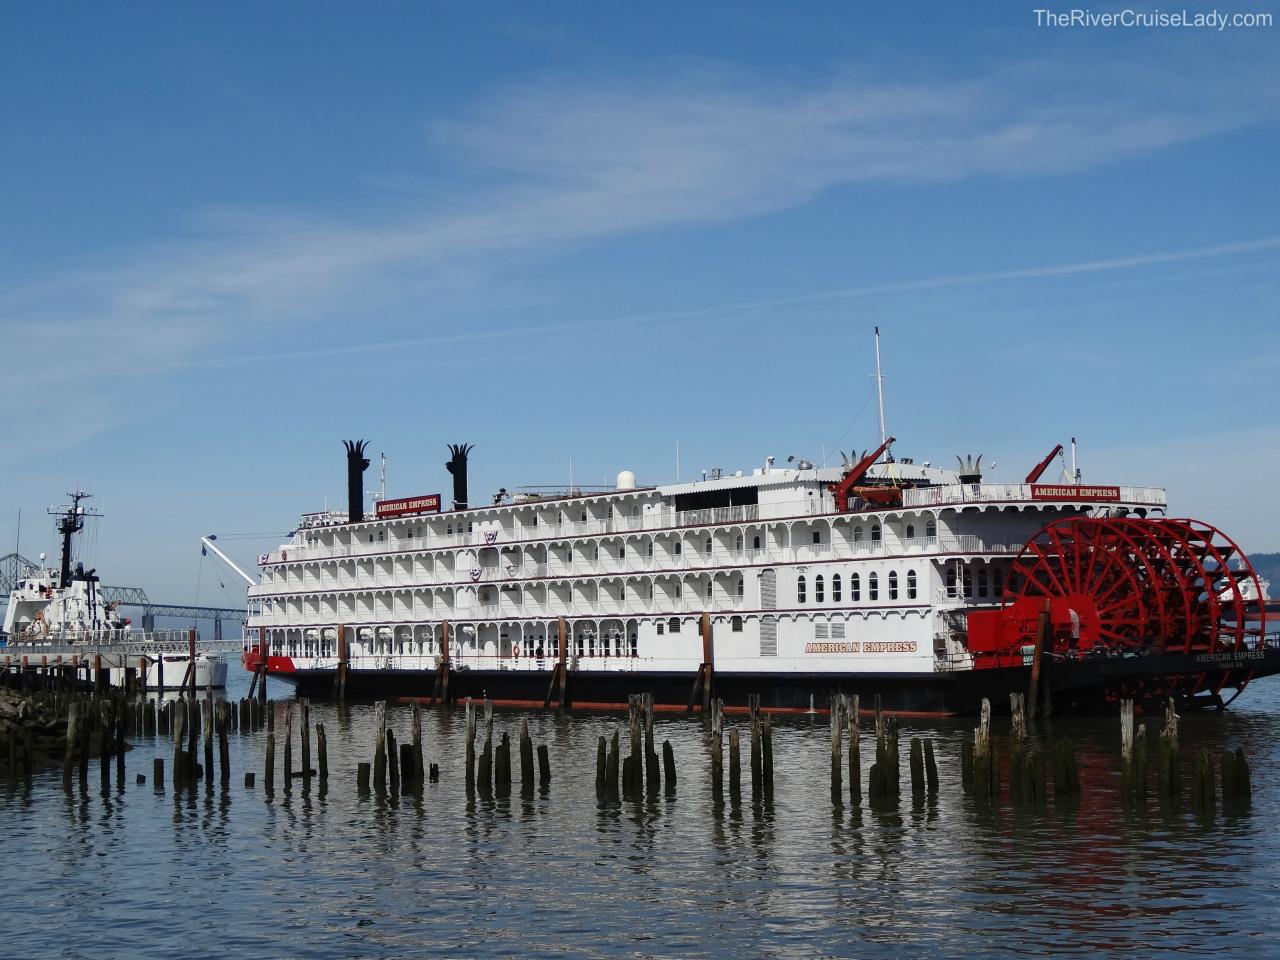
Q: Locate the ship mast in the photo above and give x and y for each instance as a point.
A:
(880, 386)
(70, 521)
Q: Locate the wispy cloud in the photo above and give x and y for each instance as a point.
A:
(555, 166)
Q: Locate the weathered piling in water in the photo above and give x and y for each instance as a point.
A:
(986, 773)
(652, 773)
(1236, 787)
(322, 754)
(1203, 799)
(305, 742)
(68, 756)
(883, 779)
(269, 764)
(1066, 772)
(1126, 750)
(157, 773)
(635, 762)
(1169, 776)
(757, 748)
(206, 733)
(485, 775)
(380, 747)
(669, 768)
(418, 761)
(917, 769)
(735, 768)
(836, 722)
(611, 767)
(224, 747)
(179, 757)
(601, 754)
(930, 769)
(1017, 740)
(362, 779)
(502, 775)
(717, 748)
(544, 766)
(288, 747)
(526, 756)
(394, 753)
(851, 708)
(469, 759)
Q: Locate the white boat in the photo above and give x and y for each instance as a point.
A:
(56, 619)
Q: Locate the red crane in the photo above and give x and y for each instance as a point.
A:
(1043, 465)
(855, 475)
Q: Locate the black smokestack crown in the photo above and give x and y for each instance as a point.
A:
(356, 466)
(457, 465)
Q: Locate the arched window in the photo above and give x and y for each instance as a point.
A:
(674, 625)
(875, 533)
(873, 586)
(648, 549)
(855, 587)
(707, 551)
(911, 584)
(997, 583)
(742, 587)
(911, 531)
(709, 586)
(635, 645)
(982, 581)
(893, 584)
(857, 534)
(800, 592)
(931, 529)
(968, 582)
(835, 588)
(737, 543)
(817, 536)
(679, 589)
(679, 547)
(755, 542)
(735, 624)
(951, 582)
(819, 589)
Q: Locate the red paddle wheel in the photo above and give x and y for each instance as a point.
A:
(1116, 586)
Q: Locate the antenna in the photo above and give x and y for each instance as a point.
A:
(1075, 470)
(880, 386)
(382, 477)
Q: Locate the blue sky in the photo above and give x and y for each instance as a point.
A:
(235, 235)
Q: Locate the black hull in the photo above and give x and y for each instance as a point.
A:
(1080, 687)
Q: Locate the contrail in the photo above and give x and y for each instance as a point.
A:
(697, 313)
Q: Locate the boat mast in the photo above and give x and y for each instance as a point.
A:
(70, 521)
(880, 386)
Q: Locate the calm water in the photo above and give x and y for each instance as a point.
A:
(136, 873)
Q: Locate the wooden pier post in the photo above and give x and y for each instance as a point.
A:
(717, 749)
(69, 754)
(544, 766)
(1126, 750)
(416, 731)
(757, 756)
(1042, 638)
(362, 779)
(305, 742)
(735, 768)
(393, 761)
(380, 747)
(1017, 741)
(322, 754)
(288, 747)
(224, 748)
(985, 773)
(157, 773)
(836, 724)
(917, 769)
(652, 775)
(930, 769)
(502, 775)
(470, 754)
(269, 764)
(852, 708)
(611, 767)
(1203, 799)
(526, 756)
(1170, 778)
(602, 752)
(206, 708)
(669, 768)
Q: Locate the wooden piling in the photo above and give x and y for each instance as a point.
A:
(735, 768)
(757, 756)
(526, 756)
(611, 767)
(917, 768)
(179, 767)
(288, 747)
(851, 707)
(470, 751)
(69, 751)
(269, 765)
(224, 748)
(393, 761)
(380, 747)
(930, 769)
(1126, 750)
(669, 767)
(1169, 776)
(157, 773)
(652, 773)
(408, 776)
(305, 742)
(602, 752)
(544, 766)
(717, 748)
(362, 779)
(985, 771)
(206, 734)
(322, 754)
(502, 776)
(416, 732)
(836, 723)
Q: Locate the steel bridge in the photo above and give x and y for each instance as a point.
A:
(13, 567)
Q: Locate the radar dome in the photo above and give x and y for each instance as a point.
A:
(626, 480)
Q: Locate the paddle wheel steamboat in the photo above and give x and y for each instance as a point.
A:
(926, 586)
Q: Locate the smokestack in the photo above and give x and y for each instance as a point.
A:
(457, 465)
(356, 466)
